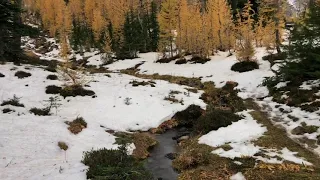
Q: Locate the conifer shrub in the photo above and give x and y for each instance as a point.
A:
(52, 77)
(77, 125)
(22, 74)
(168, 59)
(2, 75)
(189, 116)
(214, 119)
(114, 164)
(245, 66)
(40, 111)
(15, 101)
(181, 61)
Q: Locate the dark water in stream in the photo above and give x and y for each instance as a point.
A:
(159, 165)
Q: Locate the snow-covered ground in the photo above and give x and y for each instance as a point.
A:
(217, 70)
(28, 143)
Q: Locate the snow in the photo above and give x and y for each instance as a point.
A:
(282, 112)
(238, 176)
(28, 143)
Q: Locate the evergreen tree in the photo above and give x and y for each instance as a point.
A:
(305, 47)
(10, 30)
(154, 28)
(133, 37)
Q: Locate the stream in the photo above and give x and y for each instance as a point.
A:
(158, 164)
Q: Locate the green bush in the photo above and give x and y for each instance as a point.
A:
(189, 116)
(214, 119)
(245, 66)
(107, 164)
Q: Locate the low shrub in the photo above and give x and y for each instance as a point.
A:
(199, 60)
(142, 83)
(22, 74)
(40, 111)
(7, 110)
(2, 75)
(63, 145)
(192, 155)
(181, 61)
(52, 77)
(193, 90)
(214, 119)
(245, 66)
(189, 116)
(143, 142)
(114, 164)
(52, 89)
(225, 98)
(173, 99)
(15, 101)
(77, 125)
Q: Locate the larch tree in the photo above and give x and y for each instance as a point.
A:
(183, 26)
(221, 22)
(167, 18)
(244, 29)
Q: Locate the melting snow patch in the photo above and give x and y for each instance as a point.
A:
(282, 84)
(308, 85)
(238, 134)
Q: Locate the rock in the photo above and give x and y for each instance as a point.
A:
(318, 138)
(182, 138)
(179, 135)
(171, 156)
(298, 130)
(1, 75)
